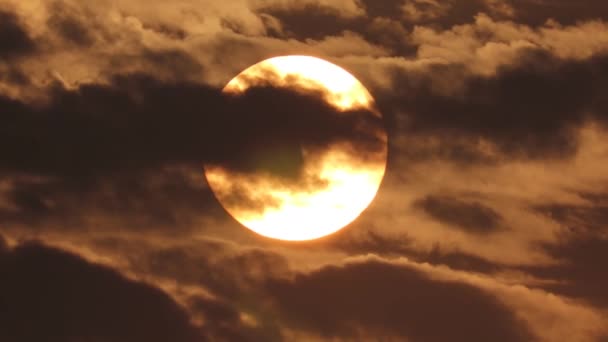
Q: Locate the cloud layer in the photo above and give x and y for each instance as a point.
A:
(490, 224)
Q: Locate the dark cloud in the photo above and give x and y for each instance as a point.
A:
(318, 23)
(274, 137)
(386, 9)
(232, 274)
(459, 260)
(313, 22)
(566, 12)
(581, 273)
(99, 138)
(354, 243)
(581, 251)
(3, 244)
(387, 300)
(50, 295)
(582, 219)
(155, 200)
(236, 279)
(171, 64)
(470, 216)
(390, 23)
(386, 23)
(226, 324)
(531, 109)
(139, 122)
(438, 14)
(68, 23)
(15, 41)
(17, 76)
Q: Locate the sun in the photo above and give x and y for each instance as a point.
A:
(347, 186)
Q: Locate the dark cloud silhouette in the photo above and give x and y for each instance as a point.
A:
(313, 22)
(156, 200)
(225, 324)
(381, 299)
(386, 23)
(584, 219)
(355, 243)
(50, 295)
(531, 109)
(459, 260)
(273, 135)
(118, 136)
(14, 75)
(318, 23)
(230, 274)
(581, 250)
(68, 23)
(172, 64)
(563, 11)
(233, 275)
(15, 42)
(14, 38)
(581, 272)
(387, 9)
(139, 122)
(473, 216)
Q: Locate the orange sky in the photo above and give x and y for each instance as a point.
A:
(490, 224)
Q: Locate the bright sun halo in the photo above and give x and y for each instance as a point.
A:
(350, 186)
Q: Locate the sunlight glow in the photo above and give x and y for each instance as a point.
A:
(341, 88)
(344, 187)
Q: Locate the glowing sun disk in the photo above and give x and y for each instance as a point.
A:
(345, 186)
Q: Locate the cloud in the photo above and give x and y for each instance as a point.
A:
(371, 298)
(532, 109)
(341, 8)
(14, 38)
(51, 295)
(580, 249)
(167, 198)
(580, 271)
(566, 12)
(424, 10)
(469, 216)
(374, 241)
(486, 45)
(97, 128)
(497, 119)
(100, 139)
(219, 282)
(228, 271)
(66, 21)
(585, 219)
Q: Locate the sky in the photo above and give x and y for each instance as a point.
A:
(491, 223)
